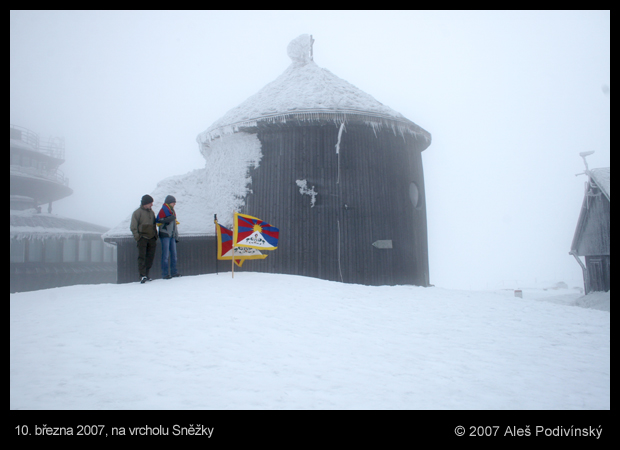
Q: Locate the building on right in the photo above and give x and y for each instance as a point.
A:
(592, 234)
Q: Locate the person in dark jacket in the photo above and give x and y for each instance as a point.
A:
(144, 232)
(169, 235)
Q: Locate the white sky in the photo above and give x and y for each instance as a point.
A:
(510, 98)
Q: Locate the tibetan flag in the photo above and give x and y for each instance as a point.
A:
(224, 247)
(251, 232)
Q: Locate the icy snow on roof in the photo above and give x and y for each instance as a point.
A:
(602, 178)
(29, 224)
(306, 91)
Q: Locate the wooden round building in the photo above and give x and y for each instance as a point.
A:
(340, 174)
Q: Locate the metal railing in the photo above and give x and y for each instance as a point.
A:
(54, 147)
(57, 176)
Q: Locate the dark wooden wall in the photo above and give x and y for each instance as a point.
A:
(599, 273)
(363, 195)
(593, 237)
(592, 240)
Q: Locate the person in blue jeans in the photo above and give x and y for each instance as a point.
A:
(168, 236)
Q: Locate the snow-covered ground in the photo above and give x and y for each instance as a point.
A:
(262, 341)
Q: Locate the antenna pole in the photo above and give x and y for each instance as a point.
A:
(216, 249)
(583, 156)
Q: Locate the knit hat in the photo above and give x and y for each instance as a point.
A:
(146, 199)
(170, 199)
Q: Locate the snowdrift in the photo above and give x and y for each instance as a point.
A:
(262, 341)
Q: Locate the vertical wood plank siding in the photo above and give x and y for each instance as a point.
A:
(593, 241)
(594, 236)
(370, 202)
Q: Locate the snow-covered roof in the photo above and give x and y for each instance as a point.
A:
(29, 224)
(308, 92)
(601, 177)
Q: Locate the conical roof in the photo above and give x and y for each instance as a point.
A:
(306, 91)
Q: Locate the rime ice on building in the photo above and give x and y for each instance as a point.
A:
(339, 173)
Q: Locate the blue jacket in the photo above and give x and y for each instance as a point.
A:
(167, 223)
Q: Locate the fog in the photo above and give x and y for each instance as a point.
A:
(510, 98)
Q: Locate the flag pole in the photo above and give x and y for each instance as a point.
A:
(233, 247)
(233, 260)
(215, 222)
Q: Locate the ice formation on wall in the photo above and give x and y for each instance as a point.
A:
(303, 190)
(219, 188)
(339, 138)
(227, 164)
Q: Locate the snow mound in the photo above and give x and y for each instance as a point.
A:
(595, 300)
(571, 297)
